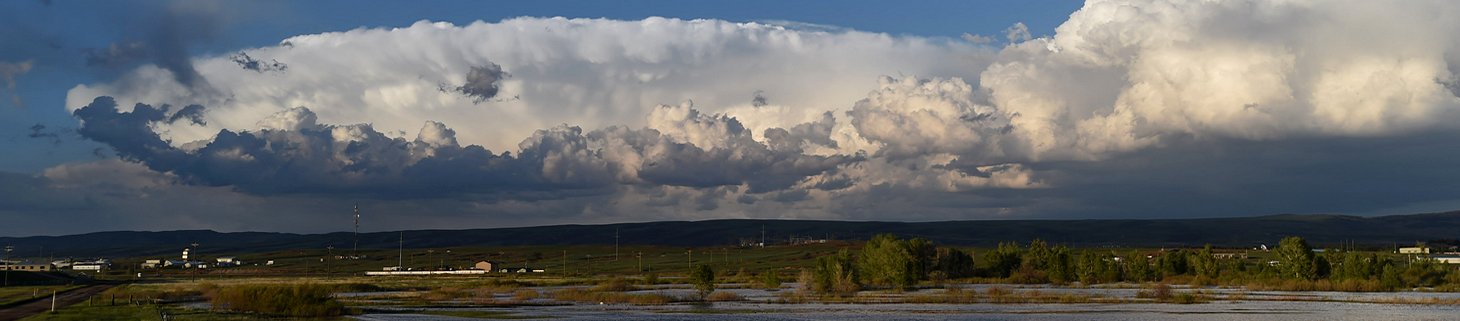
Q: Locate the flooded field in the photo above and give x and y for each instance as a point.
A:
(1114, 303)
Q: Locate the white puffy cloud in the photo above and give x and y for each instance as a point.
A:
(1120, 75)
(587, 72)
(591, 119)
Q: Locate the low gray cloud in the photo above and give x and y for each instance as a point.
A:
(9, 71)
(38, 131)
(294, 154)
(482, 82)
(164, 39)
(116, 55)
(249, 63)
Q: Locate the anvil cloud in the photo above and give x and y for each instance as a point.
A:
(1131, 109)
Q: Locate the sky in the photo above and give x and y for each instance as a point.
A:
(283, 115)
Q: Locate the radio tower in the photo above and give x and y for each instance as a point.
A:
(353, 251)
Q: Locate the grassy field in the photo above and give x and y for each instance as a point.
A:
(555, 260)
(13, 294)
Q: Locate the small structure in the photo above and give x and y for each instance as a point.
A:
(152, 264)
(227, 261)
(28, 267)
(1446, 259)
(98, 267)
(484, 265)
(519, 270)
(408, 273)
(1230, 256)
(1414, 250)
(86, 265)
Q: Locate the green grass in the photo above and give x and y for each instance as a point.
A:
(297, 300)
(582, 260)
(15, 294)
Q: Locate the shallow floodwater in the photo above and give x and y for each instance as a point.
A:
(756, 307)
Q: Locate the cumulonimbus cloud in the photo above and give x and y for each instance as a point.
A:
(605, 105)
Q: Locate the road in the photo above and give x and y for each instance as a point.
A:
(62, 300)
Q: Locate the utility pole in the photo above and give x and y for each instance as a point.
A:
(615, 244)
(691, 259)
(329, 252)
(640, 256)
(8, 266)
(400, 253)
(762, 235)
(354, 251)
(565, 262)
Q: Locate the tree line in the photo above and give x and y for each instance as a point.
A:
(887, 261)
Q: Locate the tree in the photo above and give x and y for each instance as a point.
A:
(923, 254)
(1204, 263)
(886, 260)
(835, 274)
(954, 263)
(1002, 261)
(1137, 267)
(703, 279)
(1295, 259)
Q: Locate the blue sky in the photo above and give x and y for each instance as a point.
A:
(141, 114)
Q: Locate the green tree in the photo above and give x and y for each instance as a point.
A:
(703, 279)
(835, 274)
(1295, 259)
(1061, 265)
(924, 254)
(1003, 260)
(1138, 267)
(954, 263)
(1203, 262)
(886, 260)
(1088, 268)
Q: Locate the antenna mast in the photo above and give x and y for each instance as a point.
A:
(356, 249)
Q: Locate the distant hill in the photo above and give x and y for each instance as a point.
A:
(1238, 231)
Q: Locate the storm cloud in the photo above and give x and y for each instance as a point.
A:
(1130, 109)
(482, 82)
(295, 154)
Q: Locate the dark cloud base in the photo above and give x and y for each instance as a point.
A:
(314, 159)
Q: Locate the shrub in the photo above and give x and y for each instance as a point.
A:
(1161, 292)
(720, 296)
(770, 280)
(525, 294)
(614, 285)
(296, 300)
(703, 279)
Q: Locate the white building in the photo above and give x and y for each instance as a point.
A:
(88, 267)
(1414, 250)
(226, 261)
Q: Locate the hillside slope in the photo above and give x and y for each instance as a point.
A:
(1239, 231)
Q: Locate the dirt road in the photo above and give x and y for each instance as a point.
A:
(43, 305)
